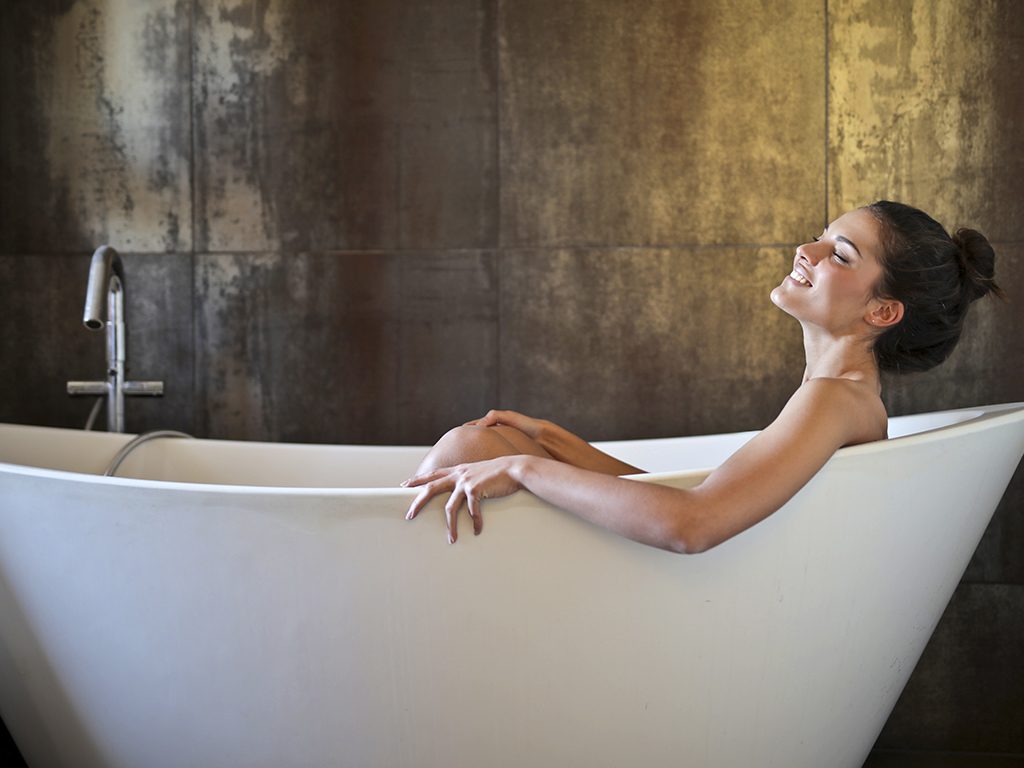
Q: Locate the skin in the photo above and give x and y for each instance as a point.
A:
(837, 404)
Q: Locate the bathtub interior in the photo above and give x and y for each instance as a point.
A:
(226, 462)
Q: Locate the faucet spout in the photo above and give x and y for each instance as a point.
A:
(105, 267)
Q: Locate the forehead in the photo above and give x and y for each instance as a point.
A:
(862, 228)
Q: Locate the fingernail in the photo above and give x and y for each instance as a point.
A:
(404, 483)
(408, 515)
(451, 540)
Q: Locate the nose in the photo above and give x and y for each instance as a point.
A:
(811, 252)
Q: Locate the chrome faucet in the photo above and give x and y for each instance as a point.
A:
(106, 275)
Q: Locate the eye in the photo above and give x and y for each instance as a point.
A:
(838, 256)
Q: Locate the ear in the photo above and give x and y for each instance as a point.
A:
(884, 313)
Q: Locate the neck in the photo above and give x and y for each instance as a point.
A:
(839, 357)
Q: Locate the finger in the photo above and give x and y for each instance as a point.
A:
(415, 480)
(451, 513)
(475, 513)
(490, 419)
(424, 497)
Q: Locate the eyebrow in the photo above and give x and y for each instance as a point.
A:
(846, 240)
(849, 242)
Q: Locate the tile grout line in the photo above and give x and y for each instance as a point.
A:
(192, 205)
(496, 256)
(499, 251)
(825, 222)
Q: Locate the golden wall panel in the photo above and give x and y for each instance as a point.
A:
(626, 343)
(926, 106)
(676, 122)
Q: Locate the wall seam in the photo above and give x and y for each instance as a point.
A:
(499, 225)
(192, 205)
(825, 217)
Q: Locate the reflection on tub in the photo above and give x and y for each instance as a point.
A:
(225, 603)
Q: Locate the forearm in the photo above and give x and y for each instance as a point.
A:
(651, 514)
(567, 447)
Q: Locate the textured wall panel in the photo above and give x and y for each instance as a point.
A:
(668, 123)
(95, 126)
(448, 345)
(926, 106)
(345, 125)
(49, 345)
(638, 343)
(344, 348)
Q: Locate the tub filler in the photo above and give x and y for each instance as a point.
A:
(245, 604)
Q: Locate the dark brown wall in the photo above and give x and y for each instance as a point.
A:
(366, 221)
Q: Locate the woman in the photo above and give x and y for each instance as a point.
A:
(884, 288)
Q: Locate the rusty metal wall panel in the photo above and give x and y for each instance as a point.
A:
(661, 123)
(95, 126)
(347, 125)
(343, 347)
(926, 104)
(623, 343)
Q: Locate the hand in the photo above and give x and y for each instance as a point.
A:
(469, 483)
(529, 426)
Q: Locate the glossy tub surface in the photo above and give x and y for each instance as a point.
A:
(247, 604)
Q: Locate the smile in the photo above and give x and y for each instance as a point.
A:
(799, 278)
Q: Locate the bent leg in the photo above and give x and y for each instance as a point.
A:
(466, 444)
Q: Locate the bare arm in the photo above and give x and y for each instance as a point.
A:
(822, 416)
(559, 442)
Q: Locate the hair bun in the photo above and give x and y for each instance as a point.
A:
(977, 264)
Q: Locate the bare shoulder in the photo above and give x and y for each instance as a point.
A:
(822, 416)
(851, 405)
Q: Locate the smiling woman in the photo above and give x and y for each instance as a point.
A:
(884, 287)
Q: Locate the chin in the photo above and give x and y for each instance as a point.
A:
(778, 298)
(781, 300)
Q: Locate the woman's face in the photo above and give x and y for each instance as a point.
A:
(834, 276)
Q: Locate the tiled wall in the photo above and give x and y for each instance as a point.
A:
(368, 220)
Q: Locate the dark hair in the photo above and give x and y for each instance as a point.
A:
(935, 276)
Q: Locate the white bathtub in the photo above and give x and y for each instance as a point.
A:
(290, 616)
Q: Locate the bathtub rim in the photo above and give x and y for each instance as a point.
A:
(985, 414)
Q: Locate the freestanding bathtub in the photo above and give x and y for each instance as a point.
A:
(244, 604)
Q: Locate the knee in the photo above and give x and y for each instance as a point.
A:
(466, 437)
(464, 444)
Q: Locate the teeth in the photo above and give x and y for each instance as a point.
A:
(798, 277)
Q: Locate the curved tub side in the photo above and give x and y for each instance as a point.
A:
(147, 626)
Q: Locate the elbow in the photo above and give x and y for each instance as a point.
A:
(687, 541)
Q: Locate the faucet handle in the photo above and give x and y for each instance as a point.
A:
(150, 388)
(88, 388)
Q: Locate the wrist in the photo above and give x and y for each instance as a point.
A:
(548, 436)
(522, 468)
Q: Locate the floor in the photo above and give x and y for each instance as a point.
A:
(10, 758)
(896, 759)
